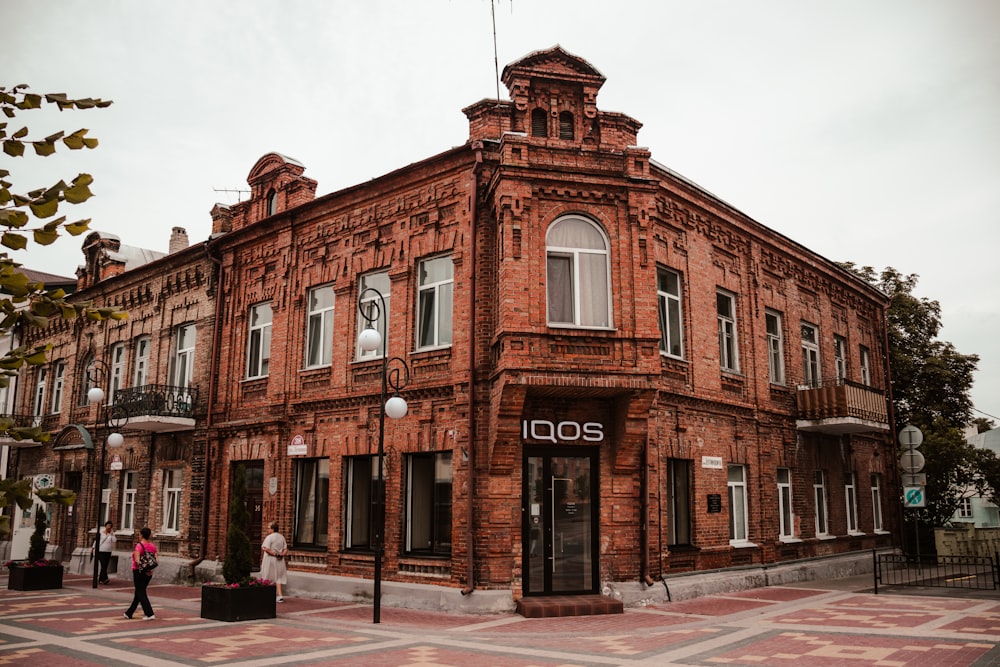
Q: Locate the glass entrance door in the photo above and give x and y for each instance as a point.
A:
(560, 522)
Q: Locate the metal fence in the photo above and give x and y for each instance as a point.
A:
(931, 571)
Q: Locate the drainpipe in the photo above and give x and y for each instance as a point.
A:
(470, 549)
(644, 538)
(216, 332)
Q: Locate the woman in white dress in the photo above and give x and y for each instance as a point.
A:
(272, 560)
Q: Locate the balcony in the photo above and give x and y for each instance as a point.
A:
(157, 408)
(840, 407)
(46, 423)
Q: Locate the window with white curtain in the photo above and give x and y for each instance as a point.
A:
(876, 501)
(171, 501)
(786, 515)
(840, 357)
(775, 347)
(375, 309)
(819, 497)
(851, 498)
(183, 366)
(434, 302)
(319, 327)
(810, 355)
(577, 274)
(739, 518)
(866, 368)
(259, 344)
(668, 293)
(140, 372)
(729, 358)
(129, 490)
(117, 370)
(40, 382)
(312, 502)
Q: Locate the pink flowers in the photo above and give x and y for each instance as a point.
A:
(27, 563)
(249, 583)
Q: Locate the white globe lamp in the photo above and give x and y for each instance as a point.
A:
(369, 340)
(396, 407)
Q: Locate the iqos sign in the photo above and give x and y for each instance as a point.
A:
(561, 432)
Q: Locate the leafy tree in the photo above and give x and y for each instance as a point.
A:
(983, 424)
(238, 563)
(930, 382)
(32, 214)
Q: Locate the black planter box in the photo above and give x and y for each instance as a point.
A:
(248, 603)
(35, 578)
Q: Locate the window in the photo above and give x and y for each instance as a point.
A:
(183, 356)
(840, 357)
(437, 280)
(272, 202)
(728, 355)
(319, 328)
(965, 508)
(171, 500)
(668, 293)
(58, 378)
(312, 500)
(786, 518)
(40, 383)
(775, 347)
(259, 342)
(361, 502)
(738, 516)
(140, 373)
(577, 274)
(117, 370)
(876, 502)
(819, 495)
(566, 125)
(851, 498)
(866, 370)
(128, 501)
(86, 379)
(679, 501)
(370, 304)
(428, 503)
(539, 123)
(810, 355)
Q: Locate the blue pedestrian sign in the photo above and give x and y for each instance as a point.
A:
(914, 496)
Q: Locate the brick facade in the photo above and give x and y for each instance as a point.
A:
(542, 429)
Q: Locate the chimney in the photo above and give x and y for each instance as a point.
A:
(178, 240)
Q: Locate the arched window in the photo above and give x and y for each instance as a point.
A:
(578, 280)
(539, 123)
(272, 202)
(87, 379)
(566, 125)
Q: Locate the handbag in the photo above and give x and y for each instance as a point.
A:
(147, 561)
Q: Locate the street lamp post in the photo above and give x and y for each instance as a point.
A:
(114, 419)
(395, 374)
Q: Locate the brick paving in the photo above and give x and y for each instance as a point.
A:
(803, 625)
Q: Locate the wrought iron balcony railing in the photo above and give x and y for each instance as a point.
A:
(157, 407)
(841, 406)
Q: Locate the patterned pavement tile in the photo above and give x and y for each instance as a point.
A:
(921, 603)
(420, 655)
(980, 623)
(778, 594)
(868, 618)
(632, 645)
(96, 621)
(55, 655)
(816, 649)
(392, 616)
(713, 606)
(574, 626)
(237, 641)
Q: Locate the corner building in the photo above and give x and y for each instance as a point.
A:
(613, 375)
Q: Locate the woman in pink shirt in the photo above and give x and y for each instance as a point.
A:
(140, 577)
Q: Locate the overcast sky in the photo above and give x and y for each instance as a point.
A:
(868, 131)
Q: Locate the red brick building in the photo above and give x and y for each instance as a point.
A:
(613, 375)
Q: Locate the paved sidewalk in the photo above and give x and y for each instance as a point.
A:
(806, 625)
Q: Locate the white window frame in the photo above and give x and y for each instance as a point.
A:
(851, 502)
(876, 483)
(129, 491)
(140, 372)
(40, 383)
(117, 379)
(370, 303)
(786, 509)
(775, 347)
(319, 326)
(866, 368)
(172, 488)
(729, 351)
(739, 513)
(812, 373)
(259, 321)
(435, 303)
(58, 382)
(670, 312)
(965, 508)
(584, 282)
(360, 503)
(183, 366)
(819, 499)
(840, 357)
